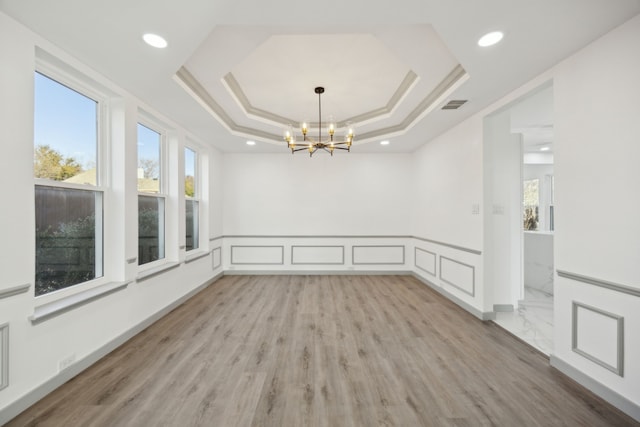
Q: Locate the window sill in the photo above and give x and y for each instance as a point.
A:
(55, 308)
(145, 274)
(196, 255)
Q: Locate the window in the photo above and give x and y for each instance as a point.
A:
(151, 200)
(191, 202)
(68, 200)
(531, 200)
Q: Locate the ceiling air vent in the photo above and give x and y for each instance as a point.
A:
(454, 104)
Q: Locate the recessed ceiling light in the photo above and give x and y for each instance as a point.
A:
(490, 39)
(545, 149)
(251, 143)
(384, 142)
(154, 40)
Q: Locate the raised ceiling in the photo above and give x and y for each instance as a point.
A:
(370, 80)
(237, 68)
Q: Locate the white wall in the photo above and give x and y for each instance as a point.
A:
(447, 214)
(87, 331)
(503, 211)
(447, 185)
(347, 194)
(596, 152)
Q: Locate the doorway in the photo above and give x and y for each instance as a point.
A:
(519, 220)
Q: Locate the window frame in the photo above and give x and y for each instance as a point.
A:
(81, 85)
(151, 124)
(195, 198)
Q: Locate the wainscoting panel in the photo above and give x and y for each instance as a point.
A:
(216, 257)
(4, 356)
(426, 261)
(317, 255)
(599, 336)
(378, 255)
(257, 255)
(458, 274)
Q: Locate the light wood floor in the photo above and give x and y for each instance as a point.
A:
(321, 351)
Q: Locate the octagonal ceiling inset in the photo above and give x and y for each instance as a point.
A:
(341, 63)
(256, 80)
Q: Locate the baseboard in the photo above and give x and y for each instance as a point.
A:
(33, 396)
(503, 308)
(488, 315)
(625, 405)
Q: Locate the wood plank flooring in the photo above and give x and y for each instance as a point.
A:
(321, 351)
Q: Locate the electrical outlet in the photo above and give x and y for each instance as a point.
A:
(475, 209)
(66, 362)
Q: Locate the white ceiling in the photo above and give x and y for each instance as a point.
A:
(306, 44)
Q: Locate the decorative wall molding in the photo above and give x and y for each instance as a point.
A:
(269, 258)
(629, 290)
(16, 290)
(449, 245)
(4, 356)
(216, 257)
(619, 366)
(348, 236)
(452, 281)
(302, 251)
(317, 272)
(431, 271)
(372, 249)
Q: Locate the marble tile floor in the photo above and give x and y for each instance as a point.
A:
(532, 321)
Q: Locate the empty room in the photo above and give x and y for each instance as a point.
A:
(245, 213)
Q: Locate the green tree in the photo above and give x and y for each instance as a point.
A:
(189, 186)
(65, 255)
(50, 164)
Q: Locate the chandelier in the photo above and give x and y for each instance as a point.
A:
(313, 145)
